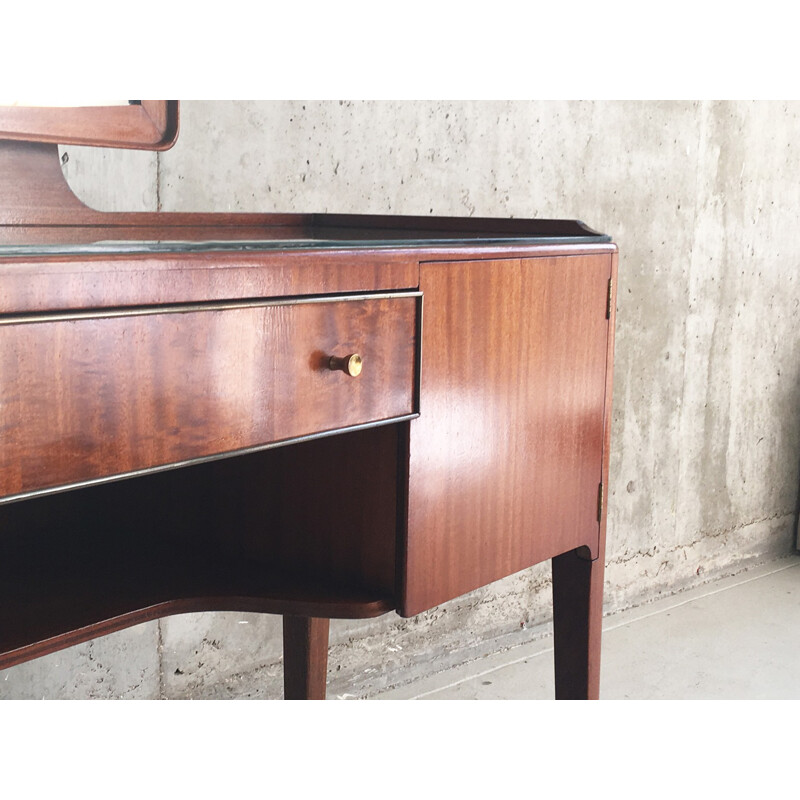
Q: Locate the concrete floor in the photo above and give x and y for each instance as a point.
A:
(736, 639)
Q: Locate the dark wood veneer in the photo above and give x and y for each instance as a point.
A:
(305, 657)
(113, 362)
(307, 529)
(79, 282)
(506, 457)
(193, 384)
(146, 125)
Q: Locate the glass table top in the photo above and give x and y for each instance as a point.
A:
(123, 247)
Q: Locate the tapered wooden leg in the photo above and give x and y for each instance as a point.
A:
(305, 657)
(577, 624)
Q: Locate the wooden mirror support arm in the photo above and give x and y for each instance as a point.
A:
(34, 191)
(140, 125)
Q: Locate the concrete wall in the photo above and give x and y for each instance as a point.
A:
(703, 200)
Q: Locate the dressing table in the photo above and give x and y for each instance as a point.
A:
(317, 416)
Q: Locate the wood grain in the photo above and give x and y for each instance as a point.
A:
(55, 284)
(33, 190)
(308, 530)
(305, 657)
(506, 458)
(51, 283)
(501, 470)
(578, 577)
(89, 398)
(150, 125)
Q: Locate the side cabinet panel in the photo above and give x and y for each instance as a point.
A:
(505, 461)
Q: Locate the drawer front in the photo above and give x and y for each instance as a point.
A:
(90, 397)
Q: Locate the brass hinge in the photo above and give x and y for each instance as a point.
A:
(610, 297)
(600, 503)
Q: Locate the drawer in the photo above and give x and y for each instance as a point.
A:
(88, 397)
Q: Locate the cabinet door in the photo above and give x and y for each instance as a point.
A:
(506, 459)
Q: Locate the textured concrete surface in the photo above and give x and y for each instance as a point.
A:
(702, 198)
(123, 665)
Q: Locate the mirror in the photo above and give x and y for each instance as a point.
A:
(133, 124)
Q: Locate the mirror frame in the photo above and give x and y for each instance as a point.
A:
(142, 125)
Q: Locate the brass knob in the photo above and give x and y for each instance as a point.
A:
(352, 364)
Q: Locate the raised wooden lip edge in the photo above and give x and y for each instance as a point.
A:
(476, 229)
(147, 125)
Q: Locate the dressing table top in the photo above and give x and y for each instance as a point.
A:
(170, 233)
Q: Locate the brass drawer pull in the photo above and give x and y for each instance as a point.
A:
(351, 364)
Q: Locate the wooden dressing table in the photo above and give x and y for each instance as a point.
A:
(318, 416)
